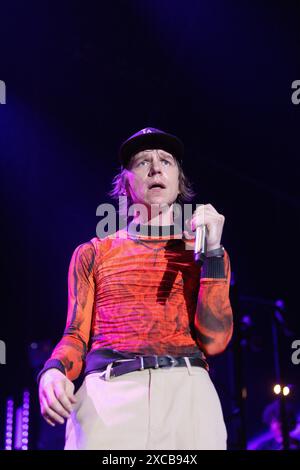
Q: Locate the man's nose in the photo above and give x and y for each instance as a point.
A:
(155, 166)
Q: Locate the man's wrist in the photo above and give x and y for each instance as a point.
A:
(213, 247)
(51, 364)
(216, 252)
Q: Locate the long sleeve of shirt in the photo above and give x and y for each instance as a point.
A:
(70, 352)
(213, 318)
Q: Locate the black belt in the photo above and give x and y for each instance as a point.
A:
(153, 362)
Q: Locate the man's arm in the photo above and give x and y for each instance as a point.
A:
(70, 352)
(56, 391)
(213, 319)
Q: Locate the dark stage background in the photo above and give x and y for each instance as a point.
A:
(81, 77)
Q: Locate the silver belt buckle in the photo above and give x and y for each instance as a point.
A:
(156, 362)
(172, 360)
(142, 362)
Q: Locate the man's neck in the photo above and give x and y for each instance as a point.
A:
(156, 218)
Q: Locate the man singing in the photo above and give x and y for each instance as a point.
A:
(142, 317)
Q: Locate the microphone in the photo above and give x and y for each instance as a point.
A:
(200, 244)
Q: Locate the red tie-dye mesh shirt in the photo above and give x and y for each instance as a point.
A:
(142, 294)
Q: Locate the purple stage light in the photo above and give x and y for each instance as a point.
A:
(9, 424)
(22, 424)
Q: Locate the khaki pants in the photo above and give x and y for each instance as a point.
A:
(166, 409)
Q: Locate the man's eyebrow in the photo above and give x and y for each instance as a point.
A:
(168, 155)
(144, 155)
(135, 158)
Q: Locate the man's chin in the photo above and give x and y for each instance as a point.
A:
(158, 204)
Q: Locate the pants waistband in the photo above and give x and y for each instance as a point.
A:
(123, 366)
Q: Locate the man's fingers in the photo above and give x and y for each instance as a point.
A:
(49, 414)
(211, 207)
(56, 396)
(62, 396)
(55, 405)
(205, 214)
(206, 219)
(54, 416)
(69, 388)
(49, 421)
(206, 208)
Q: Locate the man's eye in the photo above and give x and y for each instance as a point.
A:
(142, 163)
(166, 161)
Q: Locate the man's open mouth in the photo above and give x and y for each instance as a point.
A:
(157, 186)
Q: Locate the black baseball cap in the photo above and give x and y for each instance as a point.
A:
(150, 138)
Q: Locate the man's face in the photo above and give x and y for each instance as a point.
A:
(153, 177)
